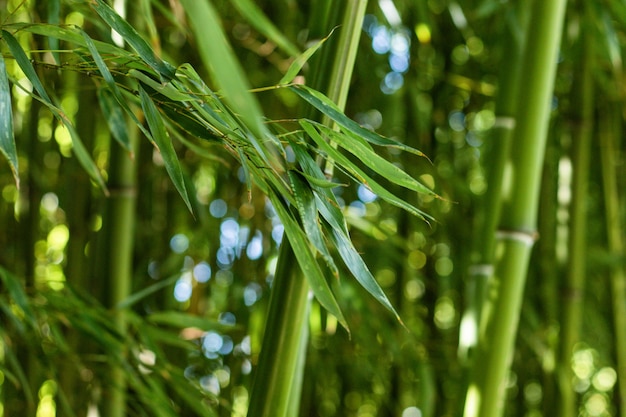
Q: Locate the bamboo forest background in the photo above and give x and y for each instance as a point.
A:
(153, 165)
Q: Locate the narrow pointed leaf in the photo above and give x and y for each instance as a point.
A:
(27, 67)
(300, 61)
(359, 269)
(255, 16)
(115, 118)
(327, 107)
(376, 162)
(358, 173)
(184, 320)
(82, 154)
(167, 89)
(7, 138)
(130, 35)
(306, 260)
(164, 144)
(305, 203)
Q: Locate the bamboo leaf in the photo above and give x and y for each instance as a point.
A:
(167, 89)
(72, 35)
(255, 16)
(77, 146)
(27, 67)
(301, 60)
(359, 269)
(17, 295)
(218, 57)
(327, 107)
(306, 260)
(376, 162)
(164, 144)
(130, 35)
(358, 173)
(54, 14)
(84, 158)
(305, 203)
(114, 117)
(7, 138)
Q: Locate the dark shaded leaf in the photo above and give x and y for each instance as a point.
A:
(7, 139)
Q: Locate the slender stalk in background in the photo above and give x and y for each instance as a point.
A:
(485, 396)
(573, 288)
(280, 371)
(118, 230)
(611, 131)
(495, 159)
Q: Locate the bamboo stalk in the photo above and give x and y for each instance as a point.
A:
(573, 288)
(611, 125)
(495, 163)
(118, 230)
(278, 381)
(485, 396)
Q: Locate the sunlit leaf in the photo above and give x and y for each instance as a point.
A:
(300, 61)
(27, 67)
(305, 203)
(306, 260)
(7, 139)
(327, 107)
(132, 37)
(358, 173)
(374, 161)
(165, 146)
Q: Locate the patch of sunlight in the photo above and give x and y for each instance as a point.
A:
(50, 203)
(240, 401)
(445, 313)
(47, 406)
(64, 140)
(583, 363)
(58, 237)
(444, 266)
(596, 404)
(484, 120)
(70, 105)
(414, 289)
(604, 380)
(367, 410)
(183, 287)
(416, 259)
(468, 334)
(390, 11)
(422, 31)
(411, 412)
(533, 393)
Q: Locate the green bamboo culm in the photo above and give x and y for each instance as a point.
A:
(118, 230)
(278, 379)
(485, 396)
(609, 134)
(495, 162)
(574, 285)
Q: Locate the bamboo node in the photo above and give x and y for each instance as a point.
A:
(505, 122)
(481, 269)
(527, 238)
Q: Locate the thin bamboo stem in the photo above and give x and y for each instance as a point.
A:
(615, 235)
(485, 396)
(118, 229)
(573, 288)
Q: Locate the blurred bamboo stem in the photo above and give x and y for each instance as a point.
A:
(574, 286)
(611, 131)
(495, 162)
(278, 381)
(485, 396)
